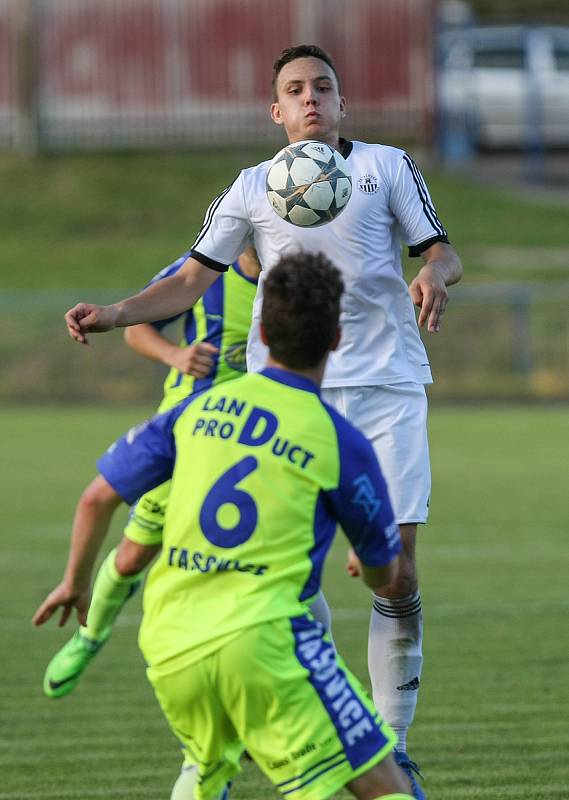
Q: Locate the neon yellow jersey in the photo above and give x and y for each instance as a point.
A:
(262, 472)
(221, 317)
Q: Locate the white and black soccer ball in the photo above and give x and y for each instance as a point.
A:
(308, 183)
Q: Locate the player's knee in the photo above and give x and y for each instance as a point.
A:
(403, 586)
(98, 495)
(405, 581)
(132, 557)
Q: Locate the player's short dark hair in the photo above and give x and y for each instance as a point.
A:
(301, 308)
(301, 51)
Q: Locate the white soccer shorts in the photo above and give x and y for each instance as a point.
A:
(394, 419)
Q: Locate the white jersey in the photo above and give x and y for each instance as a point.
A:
(380, 339)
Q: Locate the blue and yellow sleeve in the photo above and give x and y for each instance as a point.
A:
(144, 457)
(361, 501)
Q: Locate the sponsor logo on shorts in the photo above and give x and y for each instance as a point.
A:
(294, 756)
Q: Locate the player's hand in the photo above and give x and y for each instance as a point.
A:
(67, 598)
(87, 318)
(429, 292)
(196, 360)
(353, 565)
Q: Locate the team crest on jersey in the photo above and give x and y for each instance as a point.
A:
(368, 184)
(236, 357)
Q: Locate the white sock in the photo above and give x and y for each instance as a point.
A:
(395, 660)
(321, 613)
(184, 787)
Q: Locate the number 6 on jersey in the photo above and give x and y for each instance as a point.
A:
(224, 492)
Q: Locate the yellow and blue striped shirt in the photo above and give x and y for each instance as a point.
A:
(221, 317)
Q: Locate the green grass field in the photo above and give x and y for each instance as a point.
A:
(492, 717)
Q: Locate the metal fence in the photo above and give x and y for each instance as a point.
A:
(78, 74)
(503, 341)
(497, 342)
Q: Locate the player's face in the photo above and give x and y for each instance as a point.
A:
(308, 102)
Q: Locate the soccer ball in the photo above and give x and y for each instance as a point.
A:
(308, 183)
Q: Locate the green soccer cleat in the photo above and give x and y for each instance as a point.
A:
(66, 667)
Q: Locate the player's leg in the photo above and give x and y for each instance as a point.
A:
(210, 745)
(394, 650)
(395, 657)
(187, 782)
(379, 782)
(394, 418)
(321, 611)
(112, 588)
(303, 717)
(118, 578)
(122, 571)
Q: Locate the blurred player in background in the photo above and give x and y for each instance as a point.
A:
(377, 376)
(211, 352)
(262, 473)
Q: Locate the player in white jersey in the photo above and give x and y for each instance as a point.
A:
(377, 376)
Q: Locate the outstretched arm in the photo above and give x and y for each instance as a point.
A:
(161, 300)
(428, 291)
(195, 359)
(93, 515)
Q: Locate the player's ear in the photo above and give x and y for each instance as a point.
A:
(263, 333)
(336, 340)
(342, 106)
(276, 115)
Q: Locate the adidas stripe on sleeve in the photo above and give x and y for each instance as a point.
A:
(411, 203)
(226, 230)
